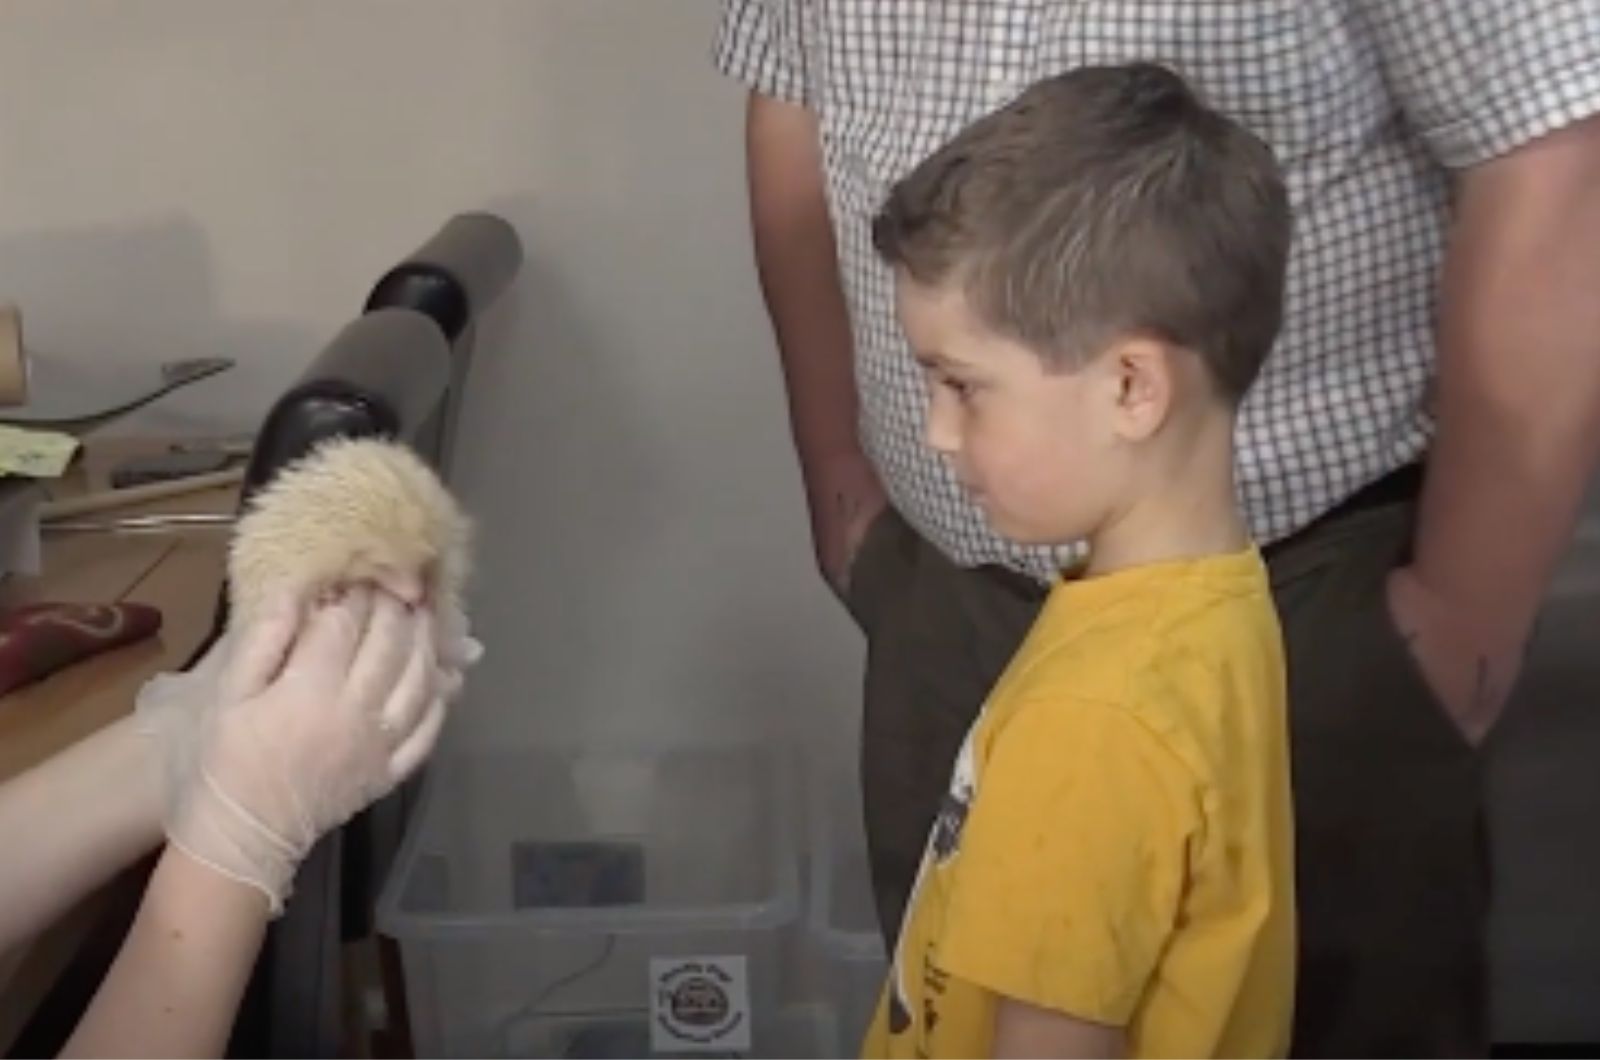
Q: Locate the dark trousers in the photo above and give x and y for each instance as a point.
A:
(1392, 875)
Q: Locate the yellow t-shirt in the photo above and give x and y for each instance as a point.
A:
(1116, 843)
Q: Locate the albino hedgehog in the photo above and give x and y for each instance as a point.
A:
(354, 509)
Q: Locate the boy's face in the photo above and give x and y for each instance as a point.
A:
(1035, 446)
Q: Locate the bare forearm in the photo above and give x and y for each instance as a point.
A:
(1519, 381)
(796, 257)
(176, 984)
(1023, 1030)
(73, 822)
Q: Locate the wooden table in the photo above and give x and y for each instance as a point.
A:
(179, 572)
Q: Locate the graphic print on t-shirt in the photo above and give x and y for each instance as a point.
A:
(944, 842)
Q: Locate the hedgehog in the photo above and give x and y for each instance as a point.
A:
(353, 510)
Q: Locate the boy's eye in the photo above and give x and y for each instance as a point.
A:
(938, 377)
(960, 387)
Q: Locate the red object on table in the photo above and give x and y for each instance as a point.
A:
(38, 640)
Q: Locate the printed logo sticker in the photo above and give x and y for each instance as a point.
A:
(699, 1004)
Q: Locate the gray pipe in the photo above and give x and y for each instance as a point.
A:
(456, 275)
(482, 251)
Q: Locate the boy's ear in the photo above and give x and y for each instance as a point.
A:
(1143, 373)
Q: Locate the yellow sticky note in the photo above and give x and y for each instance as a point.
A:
(35, 453)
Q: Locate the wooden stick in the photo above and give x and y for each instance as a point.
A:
(154, 491)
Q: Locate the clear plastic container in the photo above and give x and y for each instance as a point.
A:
(797, 1031)
(842, 921)
(548, 880)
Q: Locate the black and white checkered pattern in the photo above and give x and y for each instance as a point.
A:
(1369, 105)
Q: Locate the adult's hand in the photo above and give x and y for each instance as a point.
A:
(1471, 664)
(313, 716)
(845, 497)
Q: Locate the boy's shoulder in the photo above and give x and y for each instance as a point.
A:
(1154, 639)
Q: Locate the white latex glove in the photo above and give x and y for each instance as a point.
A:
(311, 721)
(171, 705)
(458, 649)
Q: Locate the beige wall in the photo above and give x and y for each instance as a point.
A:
(185, 177)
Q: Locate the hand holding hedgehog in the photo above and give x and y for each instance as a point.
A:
(346, 642)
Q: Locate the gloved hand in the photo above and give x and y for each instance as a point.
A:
(457, 648)
(314, 713)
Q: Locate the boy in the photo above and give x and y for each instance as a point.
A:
(1091, 277)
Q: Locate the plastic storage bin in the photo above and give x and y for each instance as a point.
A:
(842, 921)
(540, 880)
(798, 1031)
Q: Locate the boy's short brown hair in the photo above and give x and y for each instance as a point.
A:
(1104, 202)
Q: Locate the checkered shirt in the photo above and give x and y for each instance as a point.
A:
(1370, 105)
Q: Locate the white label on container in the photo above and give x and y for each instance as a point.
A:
(699, 1004)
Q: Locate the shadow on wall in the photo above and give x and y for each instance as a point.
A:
(143, 294)
(643, 562)
(553, 460)
(645, 566)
